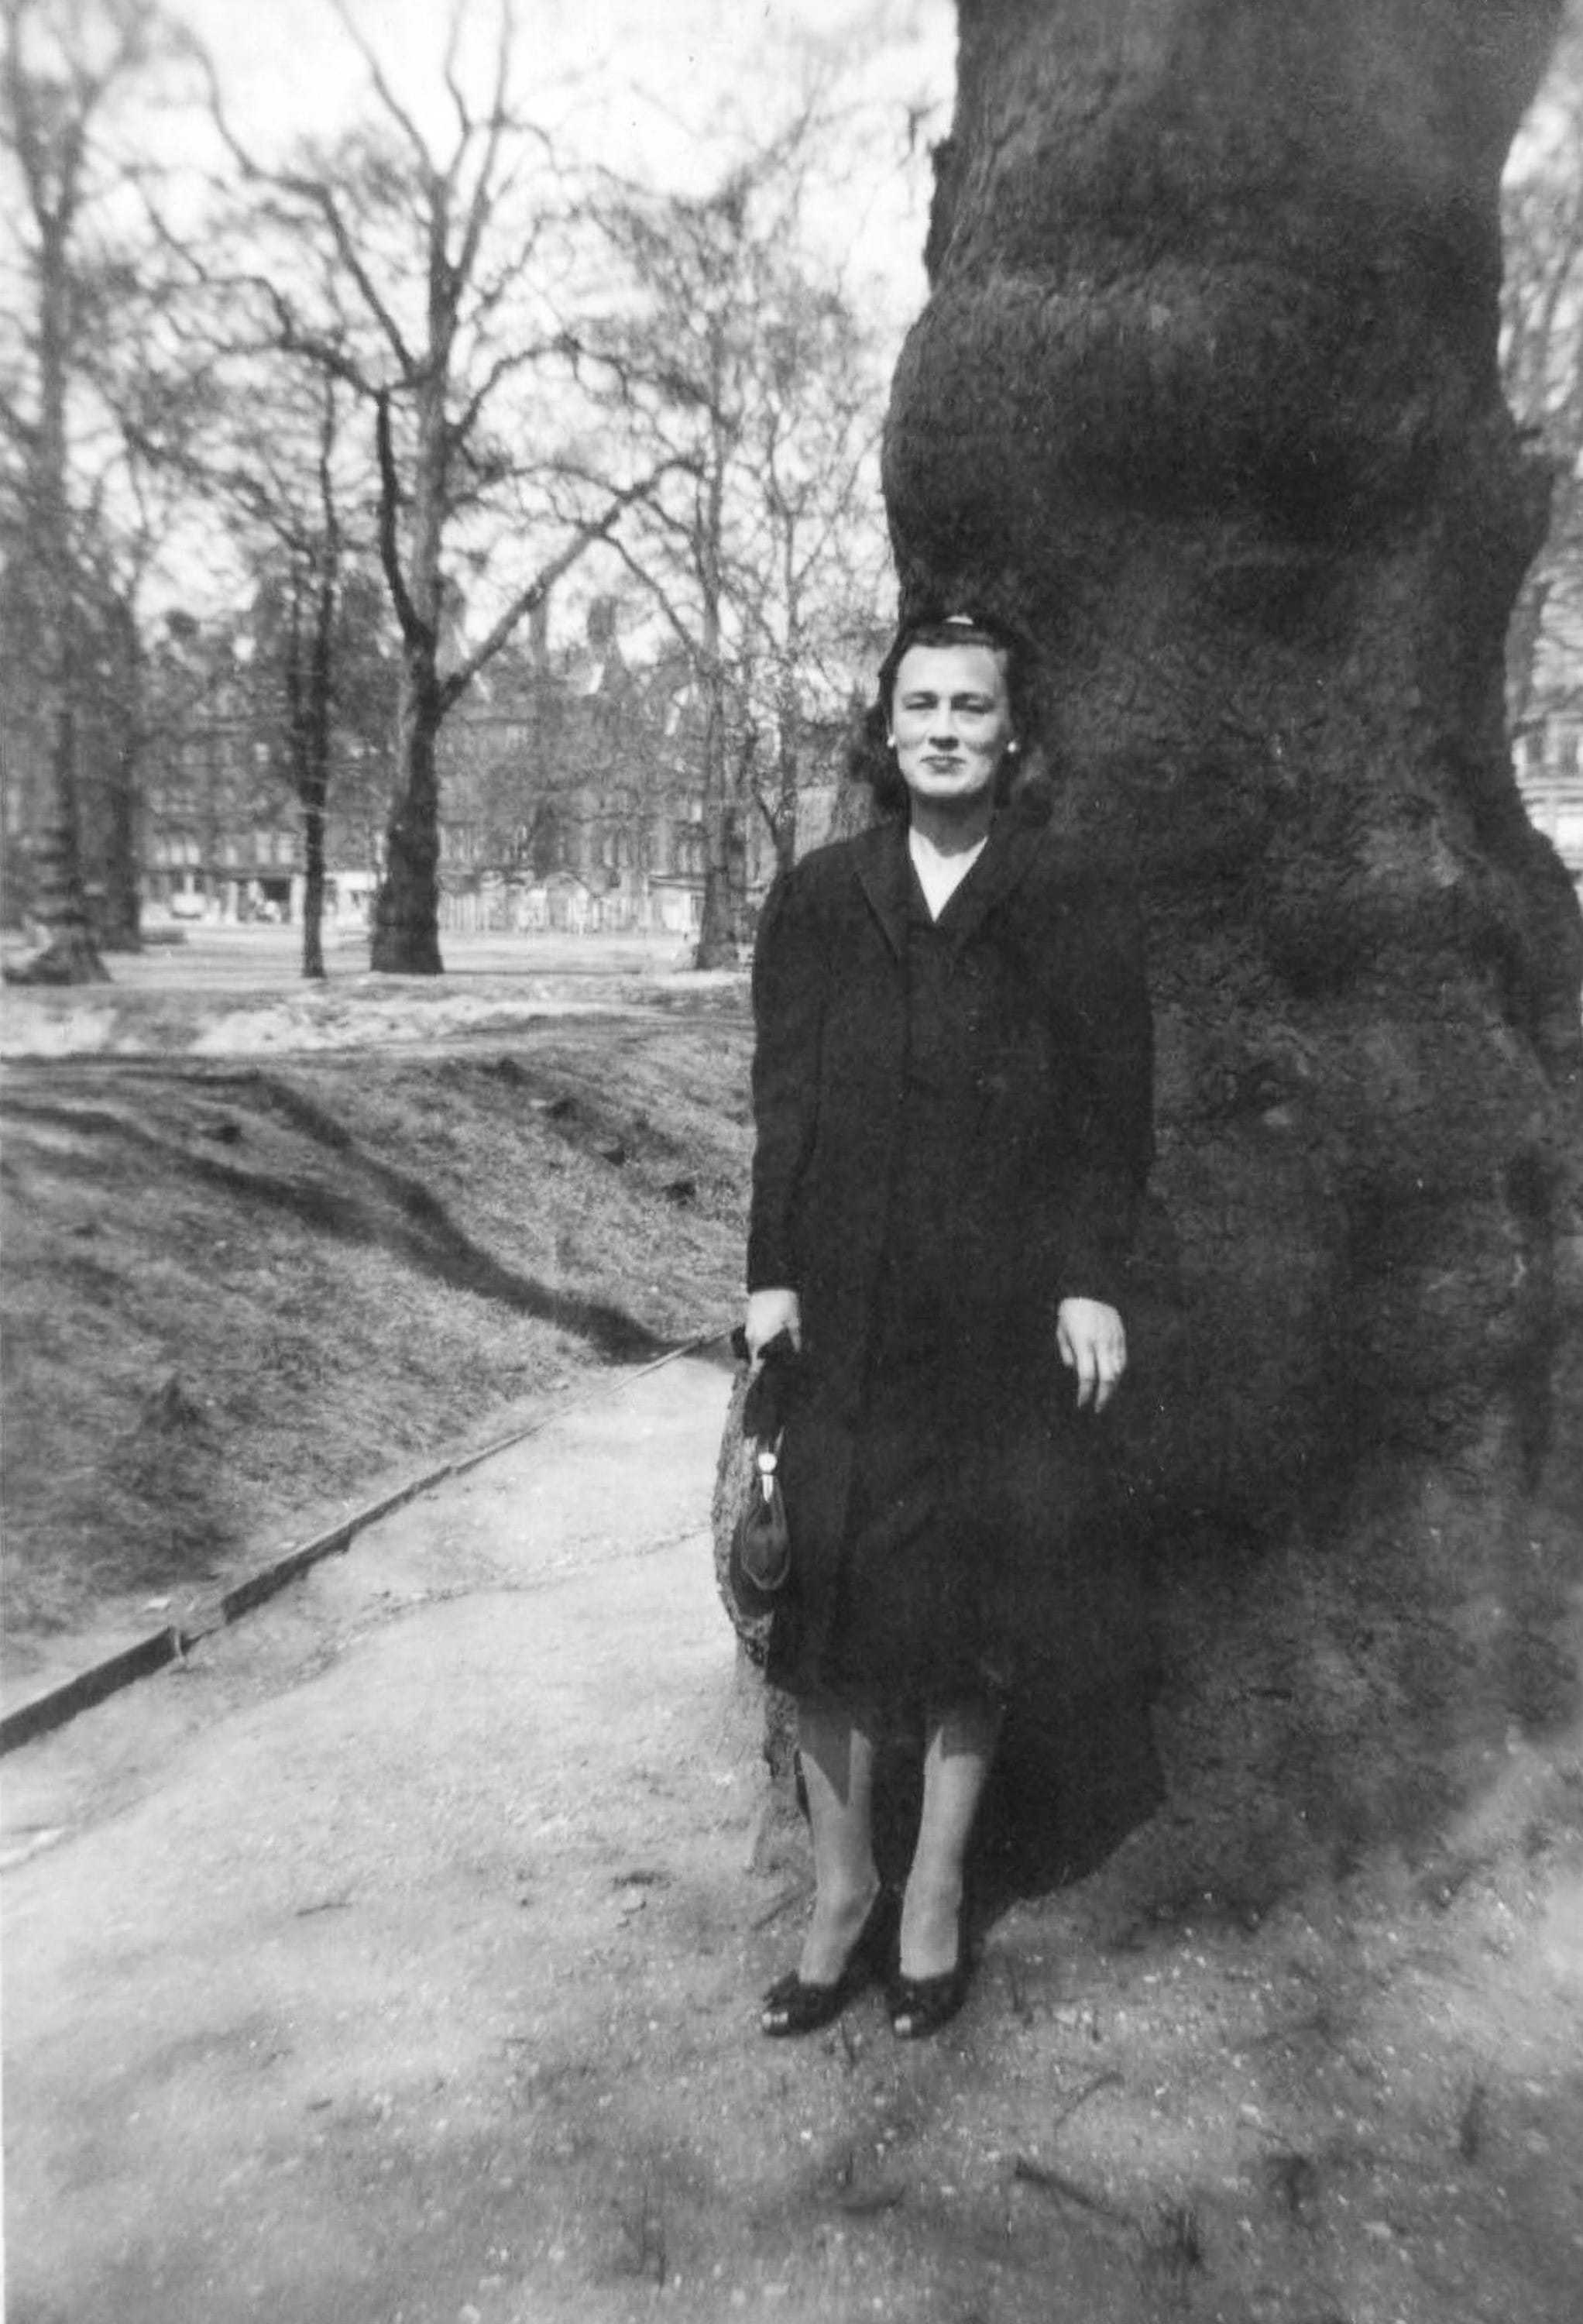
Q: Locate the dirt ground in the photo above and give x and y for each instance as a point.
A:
(396, 1958)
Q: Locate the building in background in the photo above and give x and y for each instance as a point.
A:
(571, 800)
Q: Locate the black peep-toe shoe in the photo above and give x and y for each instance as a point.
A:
(921, 2005)
(792, 2005)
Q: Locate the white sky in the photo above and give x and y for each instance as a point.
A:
(676, 92)
(672, 90)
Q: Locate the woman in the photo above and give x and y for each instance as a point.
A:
(953, 1097)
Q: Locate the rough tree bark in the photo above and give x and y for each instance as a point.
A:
(406, 916)
(1205, 390)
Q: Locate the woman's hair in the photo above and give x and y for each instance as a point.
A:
(870, 758)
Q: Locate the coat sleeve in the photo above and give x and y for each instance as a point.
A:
(1108, 1029)
(789, 1012)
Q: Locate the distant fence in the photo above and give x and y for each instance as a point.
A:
(569, 909)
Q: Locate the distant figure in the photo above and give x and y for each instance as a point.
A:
(952, 1094)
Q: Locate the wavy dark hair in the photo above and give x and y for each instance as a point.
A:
(871, 761)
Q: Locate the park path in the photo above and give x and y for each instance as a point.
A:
(281, 2025)
(393, 1961)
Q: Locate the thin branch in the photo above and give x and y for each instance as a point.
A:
(519, 359)
(600, 529)
(483, 201)
(382, 88)
(315, 193)
(691, 645)
(321, 196)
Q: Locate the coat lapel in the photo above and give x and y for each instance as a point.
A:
(885, 875)
(1012, 843)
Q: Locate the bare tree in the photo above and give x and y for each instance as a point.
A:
(734, 354)
(435, 320)
(284, 490)
(132, 504)
(61, 70)
(813, 456)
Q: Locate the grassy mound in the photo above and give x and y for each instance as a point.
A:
(238, 1296)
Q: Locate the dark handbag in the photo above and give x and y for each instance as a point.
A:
(760, 1546)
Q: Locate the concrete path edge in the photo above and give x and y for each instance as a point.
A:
(58, 1704)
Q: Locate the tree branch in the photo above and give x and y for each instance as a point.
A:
(415, 630)
(381, 87)
(692, 646)
(484, 190)
(600, 529)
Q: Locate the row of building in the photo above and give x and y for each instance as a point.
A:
(625, 859)
(572, 801)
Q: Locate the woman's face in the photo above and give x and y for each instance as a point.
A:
(950, 721)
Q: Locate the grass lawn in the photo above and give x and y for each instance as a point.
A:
(240, 1294)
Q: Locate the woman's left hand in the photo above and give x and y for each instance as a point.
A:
(1093, 1345)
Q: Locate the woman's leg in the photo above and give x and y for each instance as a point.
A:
(959, 1747)
(838, 1777)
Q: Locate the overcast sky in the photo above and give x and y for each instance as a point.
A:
(674, 90)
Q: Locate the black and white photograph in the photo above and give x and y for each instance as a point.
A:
(791, 1161)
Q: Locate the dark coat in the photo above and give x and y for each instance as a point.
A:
(1056, 1141)
(1055, 1144)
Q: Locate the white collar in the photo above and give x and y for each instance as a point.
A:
(940, 876)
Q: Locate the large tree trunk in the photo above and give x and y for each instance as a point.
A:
(313, 888)
(406, 917)
(69, 954)
(406, 911)
(1206, 391)
(121, 923)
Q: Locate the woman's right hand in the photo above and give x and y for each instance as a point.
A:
(768, 1314)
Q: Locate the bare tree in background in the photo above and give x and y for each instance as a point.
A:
(262, 443)
(1542, 361)
(732, 354)
(823, 565)
(437, 322)
(132, 504)
(61, 70)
